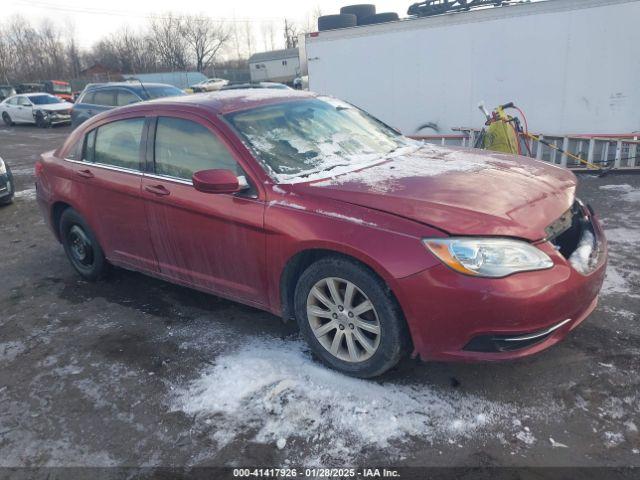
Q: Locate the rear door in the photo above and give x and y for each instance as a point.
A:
(215, 242)
(110, 174)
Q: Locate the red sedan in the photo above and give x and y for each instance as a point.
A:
(305, 206)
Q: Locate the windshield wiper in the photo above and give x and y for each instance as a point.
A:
(324, 169)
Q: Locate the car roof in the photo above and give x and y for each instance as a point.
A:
(227, 101)
(130, 85)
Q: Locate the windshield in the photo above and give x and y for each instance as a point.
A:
(300, 138)
(61, 88)
(43, 99)
(159, 92)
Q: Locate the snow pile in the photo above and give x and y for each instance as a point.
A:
(273, 389)
(426, 161)
(580, 259)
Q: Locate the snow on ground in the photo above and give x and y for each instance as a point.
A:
(274, 391)
(29, 194)
(629, 193)
(624, 242)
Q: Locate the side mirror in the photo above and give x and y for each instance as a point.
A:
(216, 181)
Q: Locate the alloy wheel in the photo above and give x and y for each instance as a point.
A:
(343, 319)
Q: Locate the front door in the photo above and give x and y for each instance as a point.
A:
(214, 242)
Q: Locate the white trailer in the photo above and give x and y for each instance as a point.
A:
(275, 66)
(573, 66)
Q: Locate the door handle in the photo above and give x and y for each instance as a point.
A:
(85, 173)
(157, 190)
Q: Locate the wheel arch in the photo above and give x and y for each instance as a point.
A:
(297, 263)
(57, 209)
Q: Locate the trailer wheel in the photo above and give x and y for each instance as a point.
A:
(380, 18)
(332, 22)
(361, 11)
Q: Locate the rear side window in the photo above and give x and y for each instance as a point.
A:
(105, 98)
(184, 147)
(116, 144)
(125, 97)
(75, 152)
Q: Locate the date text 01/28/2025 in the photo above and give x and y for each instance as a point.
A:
(315, 473)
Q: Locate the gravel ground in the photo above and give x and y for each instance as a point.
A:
(133, 371)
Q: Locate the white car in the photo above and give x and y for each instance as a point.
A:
(42, 109)
(209, 85)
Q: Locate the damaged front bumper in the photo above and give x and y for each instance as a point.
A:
(455, 317)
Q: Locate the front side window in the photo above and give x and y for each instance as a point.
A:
(299, 138)
(126, 97)
(88, 98)
(163, 91)
(104, 98)
(117, 144)
(184, 147)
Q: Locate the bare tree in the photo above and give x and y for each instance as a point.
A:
(290, 34)
(268, 30)
(248, 37)
(205, 39)
(168, 41)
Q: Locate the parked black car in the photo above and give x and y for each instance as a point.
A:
(6, 91)
(7, 188)
(98, 97)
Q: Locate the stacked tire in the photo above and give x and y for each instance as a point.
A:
(333, 22)
(361, 11)
(354, 15)
(380, 18)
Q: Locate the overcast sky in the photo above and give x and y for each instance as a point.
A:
(92, 19)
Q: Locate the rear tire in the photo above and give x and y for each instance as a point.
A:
(6, 118)
(350, 335)
(81, 246)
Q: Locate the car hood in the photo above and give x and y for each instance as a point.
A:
(459, 191)
(55, 107)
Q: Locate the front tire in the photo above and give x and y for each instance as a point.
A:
(349, 318)
(6, 118)
(41, 121)
(81, 246)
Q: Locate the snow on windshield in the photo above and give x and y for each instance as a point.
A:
(298, 139)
